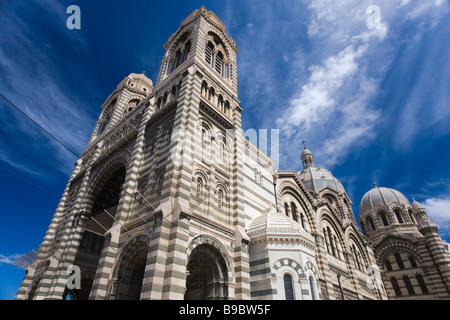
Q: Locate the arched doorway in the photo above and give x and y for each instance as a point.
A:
(33, 289)
(106, 196)
(207, 275)
(131, 272)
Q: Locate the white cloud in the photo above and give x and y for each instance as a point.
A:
(438, 209)
(9, 259)
(337, 97)
(426, 9)
(315, 101)
(31, 79)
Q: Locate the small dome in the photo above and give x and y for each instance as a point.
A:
(381, 197)
(307, 158)
(272, 223)
(306, 152)
(417, 206)
(316, 179)
(142, 78)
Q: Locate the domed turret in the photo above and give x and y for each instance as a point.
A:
(272, 222)
(417, 206)
(307, 158)
(381, 197)
(139, 81)
(385, 211)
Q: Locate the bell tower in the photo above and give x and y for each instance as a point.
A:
(154, 209)
(201, 191)
(201, 39)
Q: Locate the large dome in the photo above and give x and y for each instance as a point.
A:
(381, 197)
(316, 179)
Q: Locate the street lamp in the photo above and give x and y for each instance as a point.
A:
(340, 284)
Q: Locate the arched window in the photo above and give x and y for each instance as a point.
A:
(330, 238)
(219, 198)
(220, 103)
(337, 247)
(286, 209)
(167, 67)
(227, 109)
(412, 261)
(395, 286)
(408, 285)
(356, 257)
(422, 284)
(187, 50)
(151, 147)
(372, 225)
(211, 94)
(398, 214)
(342, 212)
(102, 126)
(325, 236)
(302, 219)
(218, 62)
(363, 227)
(399, 260)
(158, 103)
(384, 219)
(199, 187)
(203, 137)
(160, 178)
(288, 288)
(174, 91)
(294, 211)
(208, 52)
(411, 216)
(311, 287)
(204, 89)
(170, 66)
(388, 265)
(178, 58)
(222, 155)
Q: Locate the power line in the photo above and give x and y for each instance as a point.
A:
(78, 156)
(29, 118)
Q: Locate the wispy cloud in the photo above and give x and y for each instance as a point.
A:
(9, 259)
(32, 79)
(337, 96)
(317, 99)
(334, 109)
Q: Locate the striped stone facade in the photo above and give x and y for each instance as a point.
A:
(150, 142)
(313, 242)
(413, 259)
(171, 200)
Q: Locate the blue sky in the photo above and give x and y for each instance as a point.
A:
(372, 104)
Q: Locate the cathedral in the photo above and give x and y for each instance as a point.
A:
(170, 201)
